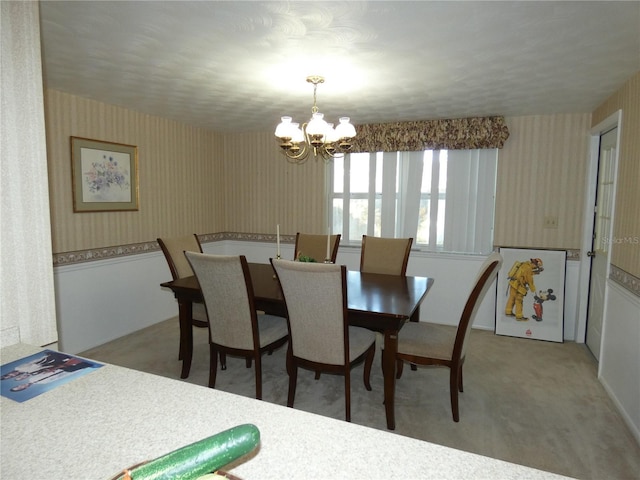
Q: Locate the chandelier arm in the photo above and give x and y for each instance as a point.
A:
(297, 161)
(299, 157)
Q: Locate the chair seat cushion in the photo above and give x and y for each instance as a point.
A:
(427, 340)
(271, 328)
(360, 339)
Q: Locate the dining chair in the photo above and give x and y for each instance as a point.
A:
(173, 249)
(315, 246)
(385, 255)
(421, 343)
(235, 328)
(320, 338)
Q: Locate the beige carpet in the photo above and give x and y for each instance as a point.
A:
(525, 401)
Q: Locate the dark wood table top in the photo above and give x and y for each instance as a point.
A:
(371, 294)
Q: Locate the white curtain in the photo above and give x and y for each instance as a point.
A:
(470, 198)
(395, 181)
(411, 165)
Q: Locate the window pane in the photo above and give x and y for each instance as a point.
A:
(426, 171)
(440, 227)
(379, 172)
(336, 224)
(359, 181)
(377, 226)
(442, 183)
(423, 221)
(338, 175)
(358, 212)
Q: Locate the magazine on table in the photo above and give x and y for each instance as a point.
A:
(28, 377)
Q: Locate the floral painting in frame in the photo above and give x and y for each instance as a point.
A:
(104, 176)
(530, 294)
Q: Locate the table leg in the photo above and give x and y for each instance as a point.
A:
(389, 373)
(185, 312)
(415, 318)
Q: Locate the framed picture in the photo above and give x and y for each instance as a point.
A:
(104, 176)
(530, 295)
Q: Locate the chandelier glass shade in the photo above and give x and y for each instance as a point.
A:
(316, 136)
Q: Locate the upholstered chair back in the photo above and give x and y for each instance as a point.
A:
(315, 246)
(315, 295)
(174, 248)
(385, 255)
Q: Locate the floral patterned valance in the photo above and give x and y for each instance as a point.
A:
(454, 134)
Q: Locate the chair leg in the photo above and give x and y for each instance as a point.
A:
(453, 387)
(288, 360)
(248, 361)
(460, 388)
(347, 393)
(223, 361)
(317, 374)
(368, 362)
(213, 366)
(258, 378)
(399, 368)
(293, 378)
(180, 355)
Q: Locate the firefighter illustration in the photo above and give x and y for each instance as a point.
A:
(520, 282)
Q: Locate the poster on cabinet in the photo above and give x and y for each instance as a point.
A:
(530, 294)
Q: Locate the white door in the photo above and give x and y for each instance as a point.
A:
(601, 239)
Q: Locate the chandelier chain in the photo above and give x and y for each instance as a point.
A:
(314, 109)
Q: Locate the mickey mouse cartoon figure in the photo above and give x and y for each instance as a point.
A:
(542, 296)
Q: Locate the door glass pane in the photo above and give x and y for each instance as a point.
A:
(605, 202)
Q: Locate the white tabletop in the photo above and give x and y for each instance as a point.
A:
(113, 417)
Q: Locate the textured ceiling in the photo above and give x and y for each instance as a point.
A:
(239, 66)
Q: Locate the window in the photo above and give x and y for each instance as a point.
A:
(444, 199)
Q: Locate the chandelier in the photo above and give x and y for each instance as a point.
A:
(316, 135)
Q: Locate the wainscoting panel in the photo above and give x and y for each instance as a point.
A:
(99, 301)
(620, 355)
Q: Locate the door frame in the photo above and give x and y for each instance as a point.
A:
(613, 120)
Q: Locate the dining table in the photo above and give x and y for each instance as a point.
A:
(382, 303)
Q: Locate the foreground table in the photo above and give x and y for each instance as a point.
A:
(378, 302)
(96, 425)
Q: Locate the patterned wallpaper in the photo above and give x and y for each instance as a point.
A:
(542, 172)
(192, 180)
(179, 169)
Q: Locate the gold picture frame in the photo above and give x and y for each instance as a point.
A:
(104, 176)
